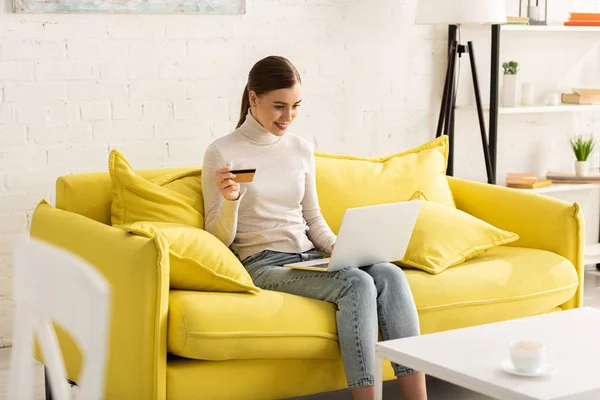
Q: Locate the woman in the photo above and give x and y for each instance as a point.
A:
(276, 220)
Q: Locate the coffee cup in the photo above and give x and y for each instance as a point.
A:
(527, 356)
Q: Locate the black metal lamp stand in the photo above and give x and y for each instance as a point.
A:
(447, 109)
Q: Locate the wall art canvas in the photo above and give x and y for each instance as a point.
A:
(131, 6)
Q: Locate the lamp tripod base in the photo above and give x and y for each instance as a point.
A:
(446, 118)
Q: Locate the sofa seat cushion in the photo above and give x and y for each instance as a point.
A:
(503, 283)
(234, 326)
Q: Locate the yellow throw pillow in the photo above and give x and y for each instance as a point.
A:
(176, 197)
(445, 237)
(199, 261)
(346, 182)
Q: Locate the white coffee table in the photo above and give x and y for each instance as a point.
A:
(471, 357)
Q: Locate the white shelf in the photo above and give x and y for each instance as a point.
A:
(565, 187)
(541, 109)
(592, 254)
(550, 28)
(548, 109)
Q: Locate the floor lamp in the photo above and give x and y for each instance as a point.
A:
(454, 14)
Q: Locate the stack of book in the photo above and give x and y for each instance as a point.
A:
(582, 96)
(583, 19)
(526, 181)
(517, 20)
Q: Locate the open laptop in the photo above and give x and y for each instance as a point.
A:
(369, 235)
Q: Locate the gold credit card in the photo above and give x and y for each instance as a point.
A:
(244, 175)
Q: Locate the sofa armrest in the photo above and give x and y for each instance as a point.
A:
(138, 271)
(540, 221)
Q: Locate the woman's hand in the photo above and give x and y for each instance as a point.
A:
(229, 189)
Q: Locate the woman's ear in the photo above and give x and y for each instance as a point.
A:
(253, 98)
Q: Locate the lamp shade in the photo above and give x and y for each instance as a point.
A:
(455, 12)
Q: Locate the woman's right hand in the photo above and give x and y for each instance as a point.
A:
(228, 188)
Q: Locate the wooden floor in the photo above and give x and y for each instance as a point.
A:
(437, 389)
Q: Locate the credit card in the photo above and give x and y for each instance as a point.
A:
(244, 175)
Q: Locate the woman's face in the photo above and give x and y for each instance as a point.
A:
(276, 110)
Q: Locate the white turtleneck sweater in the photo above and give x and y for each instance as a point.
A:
(279, 209)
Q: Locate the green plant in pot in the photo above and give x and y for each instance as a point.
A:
(583, 147)
(510, 84)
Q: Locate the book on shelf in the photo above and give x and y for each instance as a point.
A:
(534, 185)
(578, 16)
(583, 19)
(565, 177)
(578, 98)
(525, 181)
(517, 20)
(587, 91)
(582, 23)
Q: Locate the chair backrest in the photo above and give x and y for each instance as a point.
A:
(53, 286)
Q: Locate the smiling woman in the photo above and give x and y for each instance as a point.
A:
(275, 219)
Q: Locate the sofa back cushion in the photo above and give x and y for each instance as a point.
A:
(342, 182)
(89, 194)
(346, 182)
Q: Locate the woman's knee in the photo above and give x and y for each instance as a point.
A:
(359, 281)
(388, 274)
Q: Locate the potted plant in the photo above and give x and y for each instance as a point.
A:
(510, 84)
(582, 147)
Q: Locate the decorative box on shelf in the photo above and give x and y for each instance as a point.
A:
(582, 96)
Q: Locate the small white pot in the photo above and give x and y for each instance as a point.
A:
(582, 168)
(510, 90)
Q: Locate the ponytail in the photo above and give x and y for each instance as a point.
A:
(245, 107)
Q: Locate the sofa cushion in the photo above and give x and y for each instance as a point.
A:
(233, 326)
(174, 197)
(444, 237)
(198, 260)
(503, 283)
(345, 182)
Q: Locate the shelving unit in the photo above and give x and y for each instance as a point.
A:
(494, 109)
(592, 251)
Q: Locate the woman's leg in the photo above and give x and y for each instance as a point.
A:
(352, 290)
(398, 318)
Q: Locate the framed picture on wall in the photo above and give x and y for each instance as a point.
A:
(131, 6)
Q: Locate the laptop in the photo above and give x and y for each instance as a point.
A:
(369, 235)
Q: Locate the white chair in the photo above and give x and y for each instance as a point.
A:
(51, 285)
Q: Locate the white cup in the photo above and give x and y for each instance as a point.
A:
(527, 356)
(553, 99)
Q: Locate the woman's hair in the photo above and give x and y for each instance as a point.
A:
(271, 73)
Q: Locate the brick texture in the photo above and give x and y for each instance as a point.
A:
(160, 88)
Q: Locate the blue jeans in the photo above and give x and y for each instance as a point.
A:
(366, 298)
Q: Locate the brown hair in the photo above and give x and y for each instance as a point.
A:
(271, 73)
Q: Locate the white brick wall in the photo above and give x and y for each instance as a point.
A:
(160, 88)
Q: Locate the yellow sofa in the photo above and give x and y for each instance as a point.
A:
(245, 346)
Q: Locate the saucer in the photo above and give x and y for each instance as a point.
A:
(545, 370)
